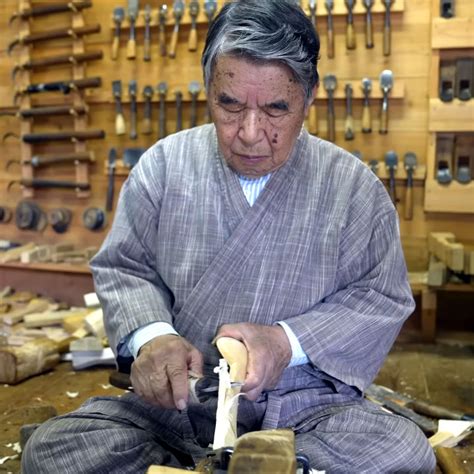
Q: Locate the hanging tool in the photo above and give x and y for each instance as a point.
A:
(366, 118)
(119, 118)
(71, 136)
(163, 16)
(59, 219)
(179, 110)
(132, 39)
(29, 216)
(349, 123)
(162, 91)
(57, 60)
(464, 89)
(193, 12)
(39, 161)
(52, 34)
(194, 89)
(210, 7)
(109, 202)
(132, 93)
(387, 28)
(446, 8)
(330, 84)
(350, 35)
(329, 4)
(444, 158)
(119, 15)
(374, 166)
(147, 36)
(447, 80)
(409, 162)
(312, 5)
(46, 111)
(391, 163)
(93, 218)
(71, 6)
(49, 183)
(386, 84)
(146, 124)
(369, 30)
(178, 11)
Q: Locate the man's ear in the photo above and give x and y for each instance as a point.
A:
(313, 96)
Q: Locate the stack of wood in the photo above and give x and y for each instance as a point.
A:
(36, 331)
(58, 253)
(449, 259)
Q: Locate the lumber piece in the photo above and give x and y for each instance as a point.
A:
(36, 305)
(34, 357)
(438, 272)
(50, 317)
(19, 297)
(94, 323)
(75, 320)
(15, 253)
(448, 461)
(444, 246)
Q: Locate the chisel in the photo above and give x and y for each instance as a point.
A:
(132, 18)
(391, 163)
(409, 162)
(162, 91)
(210, 8)
(329, 4)
(369, 30)
(179, 110)
(119, 118)
(312, 11)
(162, 18)
(194, 89)
(109, 201)
(178, 11)
(193, 12)
(366, 118)
(386, 84)
(350, 36)
(146, 124)
(132, 93)
(349, 123)
(119, 15)
(330, 84)
(387, 28)
(147, 35)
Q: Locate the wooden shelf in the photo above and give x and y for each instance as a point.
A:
(455, 116)
(452, 33)
(453, 197)
(49, 267)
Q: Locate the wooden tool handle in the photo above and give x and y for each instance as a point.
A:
(366, 120)
(448, 461)
(146, 49)
(235, 354)
(350, 36)
(162, 41)
(408, 215)
(192, 41)
(349, 128)
(369, 34)
(313, 119)
(384, 121)
(115, 48)
(330, 43)
(131, 48)
(386, 40)
(173, 43)
(331, 123)
(119, 124)
(146, 126)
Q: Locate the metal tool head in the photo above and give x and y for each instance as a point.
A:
(133, 9)
(349, 4)
(330, 82)
(366, 85)
(178, 9)
(348, 90)
(409, 160)
(391, 160)
(117, 89)
(112, 157)
(374, 166)
(147, 13)
(388, 3)
(131, 156)
(132, 88)
(119, 14)
(162, 88)
(178, 94)
(210, 7)
(386, 80)
(312, 6)
(329, 4)
(194, 8)
(148, 92)
(357, 154)
(194, 87)
(163, 14)
(368, 4)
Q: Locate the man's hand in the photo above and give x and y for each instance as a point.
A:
(160, 372)
(269, 354)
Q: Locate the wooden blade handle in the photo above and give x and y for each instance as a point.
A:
(350, 37)
(162, 41)
(331, 123)
(192, 41)
(384, 121)
(369, 34)
(386, 40)
(146, 126)
(119, 124)
(366, 120)
(313, 119)
(349, 128)
(330, 43)
(131, 48)
(173, 43)
(408, 215)
(147, 49)
(235, 354)
(115, 48)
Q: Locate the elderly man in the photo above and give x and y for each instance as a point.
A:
(253, 229)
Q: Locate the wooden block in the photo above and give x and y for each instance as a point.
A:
(15, 253)
(75, 320)
(94, 322)
(34, 306)
(437, 272)
(86, 344)
(469, 260)
(444, 246)
(37, 254)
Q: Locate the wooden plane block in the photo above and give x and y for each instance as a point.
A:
(437, 272)
(15, 253)
(452, 33)
(445, 248)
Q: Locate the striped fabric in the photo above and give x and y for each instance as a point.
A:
(253, 187)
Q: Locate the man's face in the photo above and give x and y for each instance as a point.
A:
(258, 111)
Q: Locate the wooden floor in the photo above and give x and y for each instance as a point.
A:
(441, 373)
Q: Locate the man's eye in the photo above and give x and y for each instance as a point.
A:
(232, 107)
(276, 110)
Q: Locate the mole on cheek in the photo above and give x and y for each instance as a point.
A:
(275, 138)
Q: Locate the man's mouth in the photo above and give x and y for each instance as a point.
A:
(252, 158)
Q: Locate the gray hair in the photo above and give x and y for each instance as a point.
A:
(268, 31)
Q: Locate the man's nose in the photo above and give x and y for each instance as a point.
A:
(251, 127)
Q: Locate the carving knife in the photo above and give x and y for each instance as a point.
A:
(109, 202)
(329, 4)
(119, 15)
(132, 92)
(210, 7)
(178, 11)
(27, 13)
(162, 91)
(179, 110)
(119, 118)
(312, 5)
(369, 30)
(194, 89)
(350, 36)
(349, 123)
(391, 163)
(132, 18)
(147, 38)
(386, 84)
(387, 28)
(193, 12)
(163, 16)
(147, 95)
(409, 162)
(330, 84)
(366, 118)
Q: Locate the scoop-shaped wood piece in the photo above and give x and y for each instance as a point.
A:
(236, 356)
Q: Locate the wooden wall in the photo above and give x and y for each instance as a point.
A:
(408, 116)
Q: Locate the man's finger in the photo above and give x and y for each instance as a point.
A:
(178, 379)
